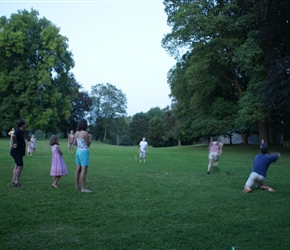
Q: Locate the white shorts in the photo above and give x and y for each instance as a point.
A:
(143, 154)
(214, 155)
(255, 178)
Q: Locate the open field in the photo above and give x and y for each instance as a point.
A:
(167, 203)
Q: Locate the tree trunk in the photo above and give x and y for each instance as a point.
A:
(274, 135)
(105, 135)
(245, 137)
(262, 126)
(118, 140)
(286, 132)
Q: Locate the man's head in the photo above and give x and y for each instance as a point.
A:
(21, 124)
(264, 150)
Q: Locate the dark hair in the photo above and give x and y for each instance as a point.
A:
(264, 150)
(53, 140)
(82, 125)
(214, 138)
(21, 122)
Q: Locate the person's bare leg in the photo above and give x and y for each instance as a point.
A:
(83, 180)
(77, 177)
(216, 163)
(55, 181)
(16, 173)
(264, 187)
(209, 166)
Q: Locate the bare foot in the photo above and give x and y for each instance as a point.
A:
(86, 191)
(246, 190)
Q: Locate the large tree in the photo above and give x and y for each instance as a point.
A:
(35, 78)
(221, 60)
(109, 103)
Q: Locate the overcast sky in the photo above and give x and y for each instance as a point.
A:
(116, 42)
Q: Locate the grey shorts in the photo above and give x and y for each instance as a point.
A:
(255, 178)
(214, 155)
(142, 154)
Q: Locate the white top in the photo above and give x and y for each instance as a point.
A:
(82, 144)
(143, 146)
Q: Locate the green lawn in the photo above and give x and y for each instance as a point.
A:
(167, 203)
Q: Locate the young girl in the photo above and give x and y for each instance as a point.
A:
(29, 147)
(83, 141)
(58, 167)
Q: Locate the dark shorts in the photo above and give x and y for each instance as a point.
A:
(18, 160)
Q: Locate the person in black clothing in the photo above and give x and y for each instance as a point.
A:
(18, 151)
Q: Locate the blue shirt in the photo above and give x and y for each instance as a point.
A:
(262, 163)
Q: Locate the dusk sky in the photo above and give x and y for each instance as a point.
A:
(116, 42)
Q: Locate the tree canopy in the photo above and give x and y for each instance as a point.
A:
(225, 52)
(109, 103)
(35, 78)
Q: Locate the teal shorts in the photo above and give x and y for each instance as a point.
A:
(83, 158)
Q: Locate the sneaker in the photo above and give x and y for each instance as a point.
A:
(18, 185)
(208, 172)
(12, 183)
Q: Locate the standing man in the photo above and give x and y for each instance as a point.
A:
(263, 144)
(215, 150)
(261, 164)
(143, 149)
(17, 152)
(70, 139)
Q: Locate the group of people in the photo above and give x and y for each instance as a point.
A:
(82, 139)
(58, 167)
(31, 145)
(261, 164)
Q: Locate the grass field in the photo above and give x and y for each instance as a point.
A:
(167, 203)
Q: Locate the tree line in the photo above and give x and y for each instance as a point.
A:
(231, 76)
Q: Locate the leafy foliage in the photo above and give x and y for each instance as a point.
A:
(226, 54)
(109, 103)
(35, 82)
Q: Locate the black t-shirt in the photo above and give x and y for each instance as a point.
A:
(20, 149)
